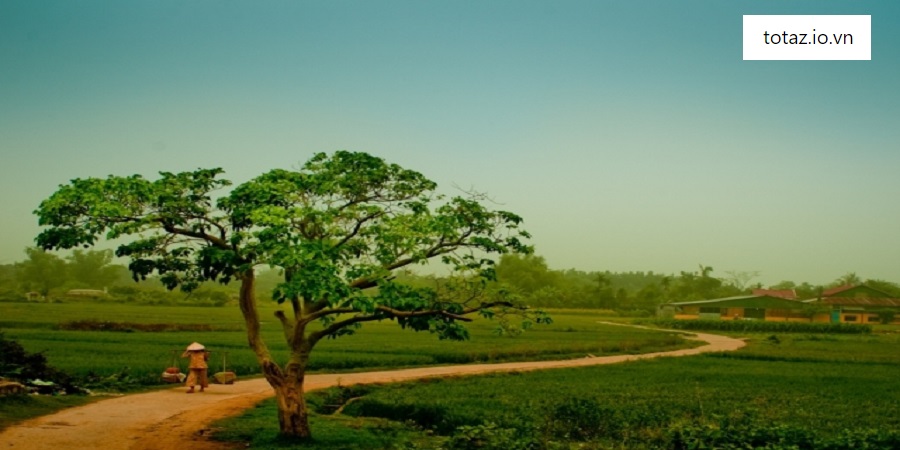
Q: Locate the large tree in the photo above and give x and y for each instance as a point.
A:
(42, 271)
(94, 268)
(337, 228)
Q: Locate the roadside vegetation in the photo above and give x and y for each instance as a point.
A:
(18, 364)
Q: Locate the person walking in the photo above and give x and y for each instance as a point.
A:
(197, 366)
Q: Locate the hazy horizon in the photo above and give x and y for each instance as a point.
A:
(629, 135)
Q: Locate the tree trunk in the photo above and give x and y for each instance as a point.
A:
(293, 417)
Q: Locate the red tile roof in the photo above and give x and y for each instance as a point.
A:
(835, 290)
(789, 294)
(861, 301)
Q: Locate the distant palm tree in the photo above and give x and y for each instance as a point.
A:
(665, 283)
(849, 279)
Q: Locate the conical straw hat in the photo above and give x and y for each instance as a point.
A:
(196, 346)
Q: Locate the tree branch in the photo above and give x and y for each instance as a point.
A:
(440, 312)
(391, 312)
(333, 328)
(286, 326)
(356, 228)
(206, 237)
(326, 312)
(251, 320)
(437, 250)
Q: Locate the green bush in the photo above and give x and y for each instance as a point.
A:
(728, 433)
(489, 436)
(583, 419)
(17, 364)
(430, 416)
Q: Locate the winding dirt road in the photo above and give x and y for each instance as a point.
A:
(169, 419)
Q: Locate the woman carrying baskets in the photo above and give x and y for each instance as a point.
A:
(197, 365)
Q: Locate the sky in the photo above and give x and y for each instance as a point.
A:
(630, 135)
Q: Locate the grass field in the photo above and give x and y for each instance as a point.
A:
(377, 345)
(134, 360)
(799, 390)
(790, 391)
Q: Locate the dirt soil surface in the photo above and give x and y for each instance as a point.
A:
(169, 419)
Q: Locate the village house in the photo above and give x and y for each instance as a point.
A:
(845, 304)
(758, 307)
(859, 304)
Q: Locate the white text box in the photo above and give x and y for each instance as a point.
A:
(808, 37)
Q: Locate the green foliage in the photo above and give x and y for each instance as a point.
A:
(529, 277)
(336, 227)
(41, 271)
(583, 419)
(94, 269)
(636, 293)
(150, 292)
(886, 316)
(254, 429)
(760, 326)
(52, 277)
(489, 436)
(18, 364)
(729, 433)
(121, 380)
(890, 288)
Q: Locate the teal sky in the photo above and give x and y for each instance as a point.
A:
(629, 134)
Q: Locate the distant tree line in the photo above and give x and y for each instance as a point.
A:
(640, 292)
(92, 274)
(528, 276)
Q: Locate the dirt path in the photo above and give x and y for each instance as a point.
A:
(170, 418)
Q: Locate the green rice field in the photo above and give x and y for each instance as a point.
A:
(375, 346)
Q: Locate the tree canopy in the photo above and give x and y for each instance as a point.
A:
(337, 229)
(41, 271)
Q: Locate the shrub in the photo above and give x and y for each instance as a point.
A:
(430, 416)
(886, 316)
(490, 436)
(17, 364)
(727, 433)
(583, 419)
